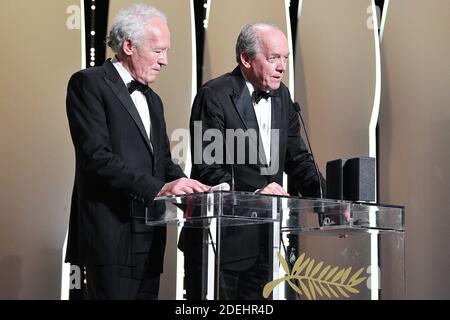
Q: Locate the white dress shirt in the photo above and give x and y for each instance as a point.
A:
(263, 112)
(138, 97)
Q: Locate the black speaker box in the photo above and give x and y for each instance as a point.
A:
(335, 179)
(351, 179)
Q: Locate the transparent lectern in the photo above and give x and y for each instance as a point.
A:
(312, 248)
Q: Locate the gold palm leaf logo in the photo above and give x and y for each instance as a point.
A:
(309, 279)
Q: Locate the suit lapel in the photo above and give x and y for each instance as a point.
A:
(243, 103)
(156, 120)
(117, 86)
(276, 122)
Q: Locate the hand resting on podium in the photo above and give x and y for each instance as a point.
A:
(274, 189)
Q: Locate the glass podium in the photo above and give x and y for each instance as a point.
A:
(299, 248)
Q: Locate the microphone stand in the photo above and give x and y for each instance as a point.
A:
(320, 209)
(297, 109)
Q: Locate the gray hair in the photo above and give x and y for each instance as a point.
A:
(130, 23)
(248, 40)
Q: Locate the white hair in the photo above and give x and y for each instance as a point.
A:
(130, 23)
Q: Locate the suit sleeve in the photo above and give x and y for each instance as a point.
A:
(207, 114)
(92, 142)
(173, 171)
(299, 164)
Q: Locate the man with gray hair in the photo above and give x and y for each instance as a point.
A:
(251, 97)
(123, 161)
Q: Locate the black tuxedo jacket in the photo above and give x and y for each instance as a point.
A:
(118, 170)
(225, 103)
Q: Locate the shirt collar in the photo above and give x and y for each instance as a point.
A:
(250, 86)
(124, 74)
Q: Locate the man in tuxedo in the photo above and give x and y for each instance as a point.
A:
(123, 161)
(252, 98)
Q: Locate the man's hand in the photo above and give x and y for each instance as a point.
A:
(273, 188)
(182, 186)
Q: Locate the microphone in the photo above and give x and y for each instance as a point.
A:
(297, 109)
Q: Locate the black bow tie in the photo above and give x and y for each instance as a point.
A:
(135, 85)
(258, 95)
